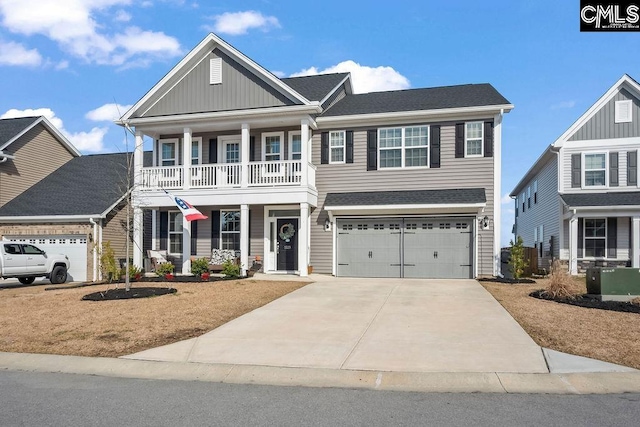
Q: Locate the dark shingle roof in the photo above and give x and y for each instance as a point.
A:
(85, 185)
(9, 128)
(413, 197)
(471, 95)
(315, 88)
(627, 198)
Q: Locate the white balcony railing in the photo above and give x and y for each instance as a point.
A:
(225, 175)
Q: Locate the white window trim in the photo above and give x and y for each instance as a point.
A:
(584, 238)
(619, 118)
(176, 146)
(264, 145)
(583, 171)
(197, 140)
(403, 147)
(535, 192)
(344, 147)
(466, 139)
(169, 233)
(222, 212)
(291, 135)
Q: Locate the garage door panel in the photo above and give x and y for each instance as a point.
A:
(368, 248)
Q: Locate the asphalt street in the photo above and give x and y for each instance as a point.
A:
(39, 399)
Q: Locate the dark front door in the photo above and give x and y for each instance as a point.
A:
(287, 230)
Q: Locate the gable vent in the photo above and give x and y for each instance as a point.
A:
(215, 71)
(623, 111)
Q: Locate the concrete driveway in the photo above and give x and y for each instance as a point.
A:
(407, 325)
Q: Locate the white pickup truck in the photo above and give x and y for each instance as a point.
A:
(26, 262)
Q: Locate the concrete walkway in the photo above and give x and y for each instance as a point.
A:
(408, 325)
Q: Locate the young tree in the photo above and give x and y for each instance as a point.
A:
(517, 262)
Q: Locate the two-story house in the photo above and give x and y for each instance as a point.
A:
(300, 172)
(580, 201)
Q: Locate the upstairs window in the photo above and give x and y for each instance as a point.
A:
(336, 146)
(295, 146)
(595, 170)
(272, 146)
(196, 151)
(168, 151)
(535, 191)
(529, 197)
(404, 147)
(473, 139)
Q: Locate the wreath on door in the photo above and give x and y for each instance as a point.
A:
(287, 231)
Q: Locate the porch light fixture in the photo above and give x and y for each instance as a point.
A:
(327, 225)
(484, 222)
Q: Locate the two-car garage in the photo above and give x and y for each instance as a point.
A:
(420, 247)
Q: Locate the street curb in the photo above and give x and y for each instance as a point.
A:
(436, 382)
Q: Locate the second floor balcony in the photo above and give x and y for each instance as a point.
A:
(228, 175)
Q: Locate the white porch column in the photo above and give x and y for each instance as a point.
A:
(303, 239)
(244, 156)
(635, 242)
(138, 154)
(244, 239)
(186, 158)
(573, 245)
(304, 153)
(186, 246)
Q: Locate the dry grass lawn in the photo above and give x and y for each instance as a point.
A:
(605, 335)
(33, 320)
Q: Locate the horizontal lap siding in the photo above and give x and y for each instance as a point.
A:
(572, 148)
(114, 231)
(453, 173)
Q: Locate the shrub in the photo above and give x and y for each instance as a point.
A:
(134, 271)
(108, 265)
(230, 269)
(199, 266)
(164, 269)
(517, 263)
(636, 301)
(560, 283)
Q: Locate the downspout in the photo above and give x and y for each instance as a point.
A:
(97, 242)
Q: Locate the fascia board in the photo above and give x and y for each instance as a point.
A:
(394, 117)
(346, 78)
(407, 206)
(48, 218)
(534, 169)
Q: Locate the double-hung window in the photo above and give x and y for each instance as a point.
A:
(168, 153)
(230, 230)
(175, 233)
(404, 147)
(295, 146)
(595, 237)
(336, 146)
(595, 169)
(473, 137)
(272, 146)
(196, 151)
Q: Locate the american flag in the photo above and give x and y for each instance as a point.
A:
(189, 212)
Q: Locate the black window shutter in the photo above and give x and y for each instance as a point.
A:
(488, 139)
(613, 169)
(252, 149)
(632, 168)
(324, 148)
(213, 150)
(215, 229)
(612, 237)
(459, 140)
(434, 155)
(372, 149)
(576, 170)
(164, 230)
(349, 146)
(580, 237)
(194, 237)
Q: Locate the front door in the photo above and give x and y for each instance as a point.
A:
(287, 244)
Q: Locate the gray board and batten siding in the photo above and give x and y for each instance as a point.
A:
(241, 90)
(603, 126)
(453, 173)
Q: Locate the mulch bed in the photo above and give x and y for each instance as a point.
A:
(590, 302)
(507, 280)
(122, 293)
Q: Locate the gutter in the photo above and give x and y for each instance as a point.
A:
(4, 157)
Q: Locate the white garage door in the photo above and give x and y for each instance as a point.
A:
(405, 247)
(73, 246)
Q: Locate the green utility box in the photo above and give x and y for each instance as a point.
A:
(614, 284)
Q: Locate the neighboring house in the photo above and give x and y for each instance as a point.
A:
(580, 201)
(300, 172)
(73, 211)
(30, 149)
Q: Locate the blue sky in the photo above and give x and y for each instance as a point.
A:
(74, 63)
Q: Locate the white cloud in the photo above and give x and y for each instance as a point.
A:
(78, 32)
(62, 65)
(12, 53)
(364, 79)
(122, 16)
(107, 112)
(236, 23)
(91, 141)
(506, 199)
(563, 105)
